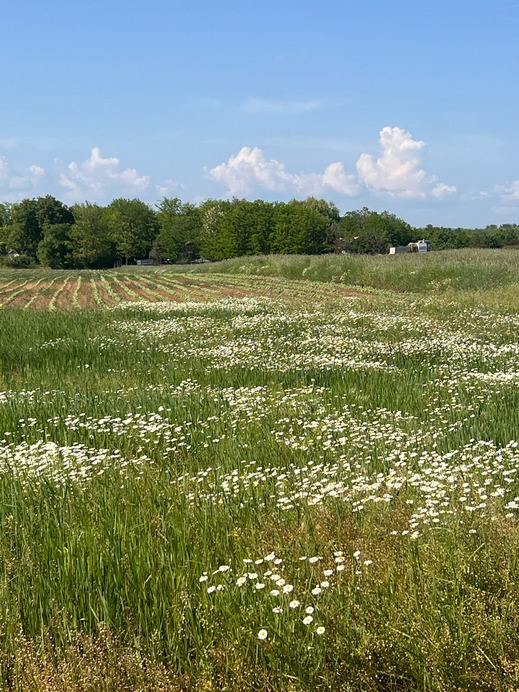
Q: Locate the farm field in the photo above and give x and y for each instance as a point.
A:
(245, 482)
(65, 291)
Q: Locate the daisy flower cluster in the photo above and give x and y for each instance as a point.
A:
(288, 595)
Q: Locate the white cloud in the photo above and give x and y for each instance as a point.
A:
(97, 178)
(398, 171)
(250, 169)
(14, 183)
(280, 107)
(509, 193)
(169, 187)
(37, 171)
(336, 177)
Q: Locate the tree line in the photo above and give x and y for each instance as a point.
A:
(45, 231)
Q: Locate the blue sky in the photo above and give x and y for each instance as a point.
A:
(406, 106)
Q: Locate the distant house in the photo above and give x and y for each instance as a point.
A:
(420, 246)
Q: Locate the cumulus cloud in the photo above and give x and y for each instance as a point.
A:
(15, 183)
(398, 171)
(250, 169)
(97, 178)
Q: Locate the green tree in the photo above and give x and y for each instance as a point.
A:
(212, 213)
(93, 246)
(55, 250)
(246, 228)
(30, 216)
(26, 231)
(179, 230)
(372, 232)
(133, 228)
(298, 229)
(6, 220)
(330, 212)
(445, 238)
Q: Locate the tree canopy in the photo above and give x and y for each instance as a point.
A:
(92, 236)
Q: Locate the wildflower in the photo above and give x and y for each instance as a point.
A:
(274, 592)
(288, 588)
(204, 577)
(294, 604)
(320, 630)
(277, 610)
(328, 572)
(259, 586)
(308, 620)
(210, 589)
(316, 591)
(309, 610)
(241, 581)
(263, 634)
(313, 559)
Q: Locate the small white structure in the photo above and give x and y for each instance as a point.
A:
(420, 246)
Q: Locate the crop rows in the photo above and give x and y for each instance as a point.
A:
(72, 291)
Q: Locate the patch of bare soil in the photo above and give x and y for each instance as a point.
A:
(41, 302)
(20, 301)
(85, 296)
(65, 300)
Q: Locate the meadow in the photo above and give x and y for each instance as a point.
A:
(263, 474)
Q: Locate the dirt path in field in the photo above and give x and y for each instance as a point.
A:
(104, 295)
(41, 302)
(85, 296)
(65, 300)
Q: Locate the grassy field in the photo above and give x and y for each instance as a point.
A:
(234, 480)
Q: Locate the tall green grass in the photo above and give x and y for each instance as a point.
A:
(100, 579)
(424, 273)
